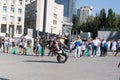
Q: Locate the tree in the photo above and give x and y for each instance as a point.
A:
(111, 19)
(96, 25)
(102, 18)
(118, 21)
(75, 23)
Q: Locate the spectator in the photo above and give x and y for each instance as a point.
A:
(6, 43)
(114, 44)
(95, 45)
(25, 47)
(105, 47)
(118, 48)
(78, 45)
(83, 48)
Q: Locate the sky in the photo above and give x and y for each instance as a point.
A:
(100, 4)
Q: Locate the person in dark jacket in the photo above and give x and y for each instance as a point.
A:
(42, 42)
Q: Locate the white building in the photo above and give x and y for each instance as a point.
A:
(84, 12)
(12, 17)
(48, 16)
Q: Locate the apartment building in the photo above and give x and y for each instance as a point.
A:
(84, 12)
(43, 16)
(12, 17)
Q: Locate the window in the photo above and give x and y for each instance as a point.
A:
(19, 11)
(11, 18)
(3, 28)
(54, 22)
(5, 1)
(12, 1)
(55, 15)
(4, 8)
(12, 10)
(20, 2)
(55, 9)
(19, 30)
(19, 19)
(4, 18)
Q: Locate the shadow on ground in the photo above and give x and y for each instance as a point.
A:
(41, 61)
(4, 79)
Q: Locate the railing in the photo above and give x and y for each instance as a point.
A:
(110, 29)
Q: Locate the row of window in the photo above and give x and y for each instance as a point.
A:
(12, 10)
(13, 1)
(11, 18)
(4, 28)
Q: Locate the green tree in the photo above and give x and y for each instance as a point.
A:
(118, 21)
(75, 23)
(111, 19)
(96, 25)
(102, 18)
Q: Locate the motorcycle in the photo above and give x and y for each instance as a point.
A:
(61, 56)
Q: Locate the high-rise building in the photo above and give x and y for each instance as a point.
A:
(12, 17)
(69, 6)
(44, 16)
(84, 12)
(69, 11)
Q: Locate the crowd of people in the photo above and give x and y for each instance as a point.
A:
(91, 47)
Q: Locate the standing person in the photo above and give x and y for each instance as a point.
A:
(36, 46)
(25, 47)
(118, 48)
(105, 47)
(90, 40)
(21, 44)
(0, 42)
(43, 42)
(109, 42)
(72, 45)
(3, 44)
(83, 48)
(96, 43)
(6, 43)
(114, 44)
(78, 45)
(102, 47)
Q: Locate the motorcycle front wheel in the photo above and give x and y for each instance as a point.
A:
(62, 58)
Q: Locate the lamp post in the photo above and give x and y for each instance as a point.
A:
(51, 29)
(35, 28)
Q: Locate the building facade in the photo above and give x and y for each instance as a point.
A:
(12, 17)
(69, 6)
(44, 16)
(84, 12)
(69, 11)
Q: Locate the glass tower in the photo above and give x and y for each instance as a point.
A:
(69, 7)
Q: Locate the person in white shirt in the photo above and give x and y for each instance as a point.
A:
(83, 48)
(6, 43)
(25, 47)
(96, 44)
(114, 46)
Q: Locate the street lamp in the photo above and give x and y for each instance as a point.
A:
(51, 29)
(35, 28)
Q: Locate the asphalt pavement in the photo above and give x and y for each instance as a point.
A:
(20, 67)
